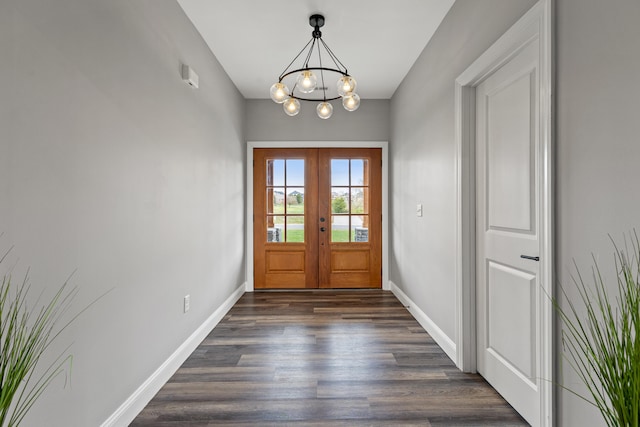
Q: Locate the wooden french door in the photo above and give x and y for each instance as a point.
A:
(317, 218)
(285, 215)
(350, 204)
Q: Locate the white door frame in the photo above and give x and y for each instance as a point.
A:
(535, 24)
(384, 145)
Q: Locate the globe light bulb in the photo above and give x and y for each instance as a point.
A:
(346, 85)
(291, 106)
(324, 110)
(279, 93)
(351, 102)
(307, 81)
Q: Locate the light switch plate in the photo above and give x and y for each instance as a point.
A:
(419, 209)
(187, 303)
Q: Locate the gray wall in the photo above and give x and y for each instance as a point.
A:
(266, 121)
(597, 140)
(598, 145)
(422, 155)
(111, 165)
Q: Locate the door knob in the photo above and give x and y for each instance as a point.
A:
(323, 229)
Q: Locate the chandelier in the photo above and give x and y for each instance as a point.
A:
(308, 81)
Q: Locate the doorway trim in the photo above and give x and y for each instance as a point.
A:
(384, 145)
(535, 24)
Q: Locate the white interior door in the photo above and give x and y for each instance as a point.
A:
(508, 227)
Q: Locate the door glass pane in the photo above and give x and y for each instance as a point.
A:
(358, 167)
(340, 228)
(295, 172)
(359, 228)
(275, 200)
(295, 229)
(339, 200)
(275, 172)
(295, 201)
(339, 172)
(359, 200)
(285, 200)
(275, 229)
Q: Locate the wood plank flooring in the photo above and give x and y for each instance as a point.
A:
(323, 358)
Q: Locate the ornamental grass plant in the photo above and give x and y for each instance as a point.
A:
(27, 331)
(601, 339)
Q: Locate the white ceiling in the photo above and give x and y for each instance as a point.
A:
(377, 40)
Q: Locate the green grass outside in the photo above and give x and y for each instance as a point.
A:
(278, 209)
(297, 236)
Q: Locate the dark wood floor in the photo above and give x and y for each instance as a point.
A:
(353, 358)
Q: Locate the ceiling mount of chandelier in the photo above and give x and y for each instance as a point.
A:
(308, 81)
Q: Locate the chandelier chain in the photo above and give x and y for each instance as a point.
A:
(324, 87)
(294, 59)
(308, 58)
(334, 57)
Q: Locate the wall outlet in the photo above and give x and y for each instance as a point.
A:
(187, 303)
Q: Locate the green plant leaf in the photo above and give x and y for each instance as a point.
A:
(26, 333)
(603, 345)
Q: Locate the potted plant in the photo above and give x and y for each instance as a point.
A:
(26, 333)
(601, 340)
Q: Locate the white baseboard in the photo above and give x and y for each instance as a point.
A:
(131, 407)
(429, 325)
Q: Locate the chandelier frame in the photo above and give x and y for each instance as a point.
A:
(317, 44)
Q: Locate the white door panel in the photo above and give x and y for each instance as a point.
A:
(508, 339)
(509, 156)
(511, 294)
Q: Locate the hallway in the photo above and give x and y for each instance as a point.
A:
(323, 358)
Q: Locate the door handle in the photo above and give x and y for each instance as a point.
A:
(323, 229)
(532, 258)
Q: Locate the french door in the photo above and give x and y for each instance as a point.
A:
(317, 218)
